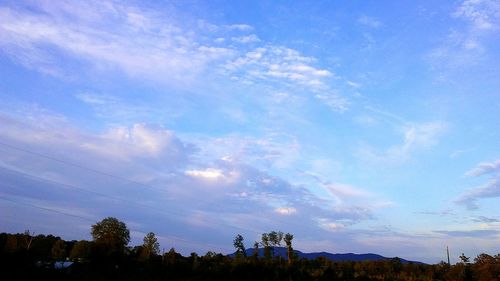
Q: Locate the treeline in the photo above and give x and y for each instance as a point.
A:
(26, 256)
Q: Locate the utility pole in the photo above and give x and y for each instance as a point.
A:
(448, 253)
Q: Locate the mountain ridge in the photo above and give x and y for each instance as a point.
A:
(338, 257)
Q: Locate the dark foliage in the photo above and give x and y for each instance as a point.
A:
(50, 258)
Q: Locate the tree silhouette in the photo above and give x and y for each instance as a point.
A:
(81, 250)
(151, 245)
(267, 245)
(111, 233)
(256, 250)
(59, 250)
(464, 259)
(289, 250)
(240, 247)
(275, 238)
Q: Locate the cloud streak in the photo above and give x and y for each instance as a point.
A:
(491, 189)
(164, 49)
(415, 137)
(100, 36)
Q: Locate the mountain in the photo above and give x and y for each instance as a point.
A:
(281, 251)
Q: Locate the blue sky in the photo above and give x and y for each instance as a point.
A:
(358, 127)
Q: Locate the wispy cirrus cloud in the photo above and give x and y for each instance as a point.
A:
(484, 168)
(467, 46)
(484, 219)
(164, 49)
(252, 38)
(469, 233)
(99, 33)
(415, 137)
(288, 68)
(241, 27)
(272, 62)
(490, 189)
(482, 14)
(369, 21)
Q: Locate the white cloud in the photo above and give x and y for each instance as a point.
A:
(484, 168)
(207, 173)
(285, 211)
(337, 102)
(212, 174)
(491, 189)
(345, 190)
(483, 14)
(457, 153)
(467, 46)
(100, 35)
(164, 49)
(415, 137)
(140, 140)
(115, 109)
(353, 84)
(279, 67)
(369, 21)
(241, 27)
(330, 226)
(422, 135)
(276, 150)
(274, 62)
(252, 38)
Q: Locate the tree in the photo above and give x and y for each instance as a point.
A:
(486, 268)
(266, 244)
(256, 250)
(28, 238)
(81, 250)
(240, 247)
(59, 250)
(467, 272)
(112, 233)
(464, 259)
(275, 238)
(151, 245)
(11, 244)
(289, 250)
(170, 257)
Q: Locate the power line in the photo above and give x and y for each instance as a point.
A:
(89, 191)
(44, 208)
(74, 164)
(171, 214)
(91, 220)
(111, 176)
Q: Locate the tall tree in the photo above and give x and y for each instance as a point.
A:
(112, 233)
(151, 245)
(256, 250)
(289, 250)
(275, 238)
(239, 246)
(265, 242)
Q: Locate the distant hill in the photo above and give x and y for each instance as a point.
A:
(281, 251)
